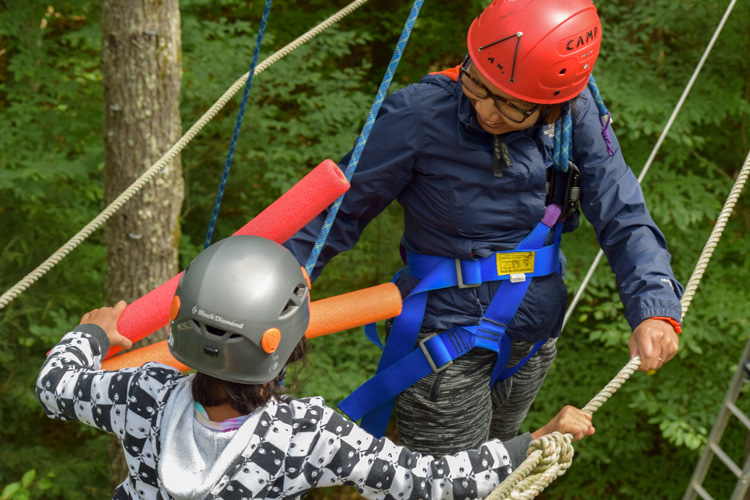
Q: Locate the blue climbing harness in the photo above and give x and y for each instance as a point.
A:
(406, 361)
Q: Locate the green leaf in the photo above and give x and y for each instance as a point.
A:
(44, 484)
(28, 478)
(10, 490)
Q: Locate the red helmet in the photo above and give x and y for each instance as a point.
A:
(541, 51)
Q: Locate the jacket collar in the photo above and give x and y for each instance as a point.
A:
(471, 135)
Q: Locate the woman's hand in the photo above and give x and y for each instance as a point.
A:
(570, 420)
(655, 340)
(106, 318)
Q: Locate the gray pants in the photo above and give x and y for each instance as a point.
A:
(457, 410)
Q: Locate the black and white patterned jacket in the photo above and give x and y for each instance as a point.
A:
(288, 447)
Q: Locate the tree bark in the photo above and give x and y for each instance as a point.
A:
(141, 68)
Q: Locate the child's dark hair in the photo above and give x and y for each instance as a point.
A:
(212, 391)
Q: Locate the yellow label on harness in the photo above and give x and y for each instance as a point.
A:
(515, 263)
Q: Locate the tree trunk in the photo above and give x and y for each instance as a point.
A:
(141, 54)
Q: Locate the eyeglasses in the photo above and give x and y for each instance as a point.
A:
(508, 109)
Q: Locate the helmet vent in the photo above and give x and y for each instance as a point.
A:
(212, 331)
(562, 71)
(294, 301)
(290, 305)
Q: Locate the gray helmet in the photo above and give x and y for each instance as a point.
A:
(240, 309)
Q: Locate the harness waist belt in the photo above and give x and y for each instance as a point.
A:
(498, 266)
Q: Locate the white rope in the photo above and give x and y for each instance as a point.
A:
(713, 239)
(550, 456)
(654, 151)
(165, 160)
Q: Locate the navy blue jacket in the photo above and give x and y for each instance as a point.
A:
(427, 150)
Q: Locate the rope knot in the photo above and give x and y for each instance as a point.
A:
(555, 448)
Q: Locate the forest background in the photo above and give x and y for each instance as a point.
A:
(310, 106)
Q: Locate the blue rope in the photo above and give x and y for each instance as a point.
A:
(237, 125)
(562, 152)
(563, 145)
(603, 112)
(597, 97)
(362, 139)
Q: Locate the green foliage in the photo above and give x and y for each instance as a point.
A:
(307, 107)
(310, 106)
(21, 490)
(50, 187)
(337, 364)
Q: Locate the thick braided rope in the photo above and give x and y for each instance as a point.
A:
(164, 161)
(550, 456)
(548, 459)
(657, 146)
(237, 126)
(715, 236)
(362, 139)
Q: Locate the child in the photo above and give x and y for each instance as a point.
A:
(227, 431)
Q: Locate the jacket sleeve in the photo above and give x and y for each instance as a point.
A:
(612, 200)
(384, 168)
(71, 385)
(379, 468)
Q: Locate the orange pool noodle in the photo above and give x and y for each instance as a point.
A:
(278, 222)
(353, 309)
(158, 352)
(326, 316)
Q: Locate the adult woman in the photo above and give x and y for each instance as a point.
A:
(472, 155)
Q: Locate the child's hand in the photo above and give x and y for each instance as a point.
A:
(570, 420)
(106, 318)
